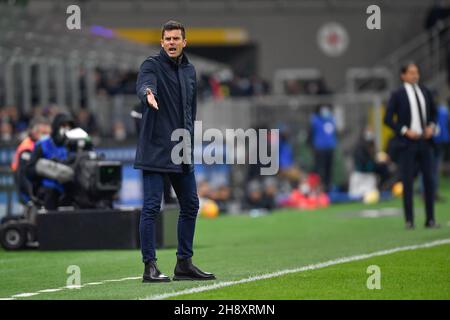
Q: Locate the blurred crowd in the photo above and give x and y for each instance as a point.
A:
(110, 83)
(14, 126)
(217, 85)
(374, 174)
(296, 185)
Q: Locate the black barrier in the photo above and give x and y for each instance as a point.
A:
(102, 229)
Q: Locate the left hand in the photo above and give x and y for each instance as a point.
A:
(429, 131)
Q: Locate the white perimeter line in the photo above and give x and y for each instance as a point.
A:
(301, 269)
(30, 294)
(254, 278)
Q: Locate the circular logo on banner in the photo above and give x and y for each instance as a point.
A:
(333, 39)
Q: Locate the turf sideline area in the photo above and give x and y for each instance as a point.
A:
(301, 269)
(246, 280)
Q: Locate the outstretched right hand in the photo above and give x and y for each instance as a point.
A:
(151, 99)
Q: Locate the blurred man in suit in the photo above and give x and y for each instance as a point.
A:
(410, 113)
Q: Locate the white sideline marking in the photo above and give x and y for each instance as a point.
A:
(50, 290)
(254, 278)
(24, 295)
(123, 279)
(30, 294)
(93, 283)
(75, 286)
(301, 269)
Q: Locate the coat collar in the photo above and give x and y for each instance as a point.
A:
(163, 54)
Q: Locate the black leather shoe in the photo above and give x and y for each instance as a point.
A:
(409, 225)
(185, 270)
(432, 225)
(152, 273)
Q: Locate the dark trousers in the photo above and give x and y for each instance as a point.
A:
(323, 160)
(186, 191)
(417, 155)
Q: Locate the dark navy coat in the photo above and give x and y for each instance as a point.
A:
(174, 86)
(398, 112)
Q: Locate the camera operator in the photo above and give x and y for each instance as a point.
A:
(53, 148)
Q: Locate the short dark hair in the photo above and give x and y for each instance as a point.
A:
(173, 25)
(404, 67)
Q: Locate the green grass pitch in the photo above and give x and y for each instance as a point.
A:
(238, 247)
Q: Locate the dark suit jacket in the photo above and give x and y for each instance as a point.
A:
(398, 113)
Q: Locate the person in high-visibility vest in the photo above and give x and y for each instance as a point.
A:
(39, 128)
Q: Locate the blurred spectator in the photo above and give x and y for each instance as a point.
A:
(39, 128)
(293, 87)
(260, 87)
(308, 195)
(11, 125)
(254, 169)
(119, 132)
(287, 167)
(309, 87)
(240, 87)
(436, 14)
(112, 82)
(215, 88)
(366, 160)
(226, 84)
(203, 189)
(322, 138)
(87, 121)
(441, 139)
(260, 195)
(213, 183)
(6, 132)
(254, 196)
(221, 195)
(270, 185)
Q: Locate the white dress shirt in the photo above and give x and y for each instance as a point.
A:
(415, 116)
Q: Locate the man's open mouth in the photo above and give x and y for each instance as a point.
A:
(172, 49)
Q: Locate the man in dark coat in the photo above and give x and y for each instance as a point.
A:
(411, 113)
(167, 86)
